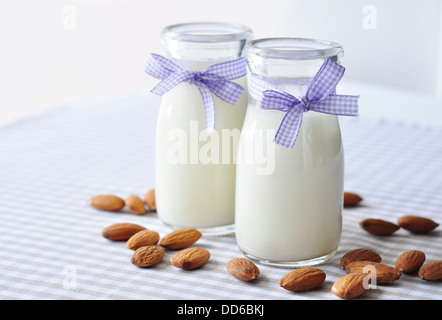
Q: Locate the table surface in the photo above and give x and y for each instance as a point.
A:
(52, 247)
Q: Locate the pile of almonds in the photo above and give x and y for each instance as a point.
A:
(362, 265)
(359, 264)
(149, 249)
(413, 224)
(135, 205)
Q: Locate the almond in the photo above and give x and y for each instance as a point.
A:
(302, 279)
(431, 271)
(106, 202)
(378, 226)
(121, 231)
(383, 273)
(147, 256)
(190, 258)
(242, 269)
(350, 286)
(351, 199)
(180, 239)
(149, 198)
(135, 204)
(417, 224)
(142, 238)
(410, 261)
(361, 254)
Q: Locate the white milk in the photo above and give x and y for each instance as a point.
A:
(294, 213)
(192, 190)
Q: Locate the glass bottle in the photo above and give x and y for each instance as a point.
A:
(195, 169)
(289, 201)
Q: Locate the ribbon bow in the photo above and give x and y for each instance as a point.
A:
(320, 97)
(214, 79)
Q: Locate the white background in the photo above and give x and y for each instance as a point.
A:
(54, 52)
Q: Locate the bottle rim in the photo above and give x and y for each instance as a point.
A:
(293, 48)
(207, 32)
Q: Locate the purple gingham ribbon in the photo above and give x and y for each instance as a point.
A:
(320, 97)
(214, 79)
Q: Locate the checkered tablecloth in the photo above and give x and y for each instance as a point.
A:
(51, 243)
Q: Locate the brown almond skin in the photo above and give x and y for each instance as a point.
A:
(121, 231)
(242, 269)
(384, 273)
(361, 254)
(143, 238)
(180, 238)
(431, 271)
(106, 202)
(135, 205)
(147, 256)
(302, 279)
(149, 198)
(190, 258)
(349, 286)
(351, 199)
(378, 226)
(410, 261)
(416, 224)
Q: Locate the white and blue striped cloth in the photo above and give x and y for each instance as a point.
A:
(51, 243)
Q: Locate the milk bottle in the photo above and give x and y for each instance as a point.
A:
(291, 215)
(195, 168)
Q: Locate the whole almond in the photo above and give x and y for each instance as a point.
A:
(378, 226)
(142, 238)
(410, 261)
(431, 271)
(350, 286)
(147, 256)
(383, 273)
(242, 269)
(135, 204)
(351, 199)
(190, 258)
(417, 224)
(121, 231)
(106, 202)
(302, 279)
(149, 198)
(180, 239)
(361, 254)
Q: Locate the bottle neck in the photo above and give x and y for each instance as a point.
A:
(280, 69)
(196, 46)
(257, 84)
(197, 56)
(291, 58)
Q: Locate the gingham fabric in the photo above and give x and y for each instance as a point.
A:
(320, 97)
(51, 243)
(214, 79)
